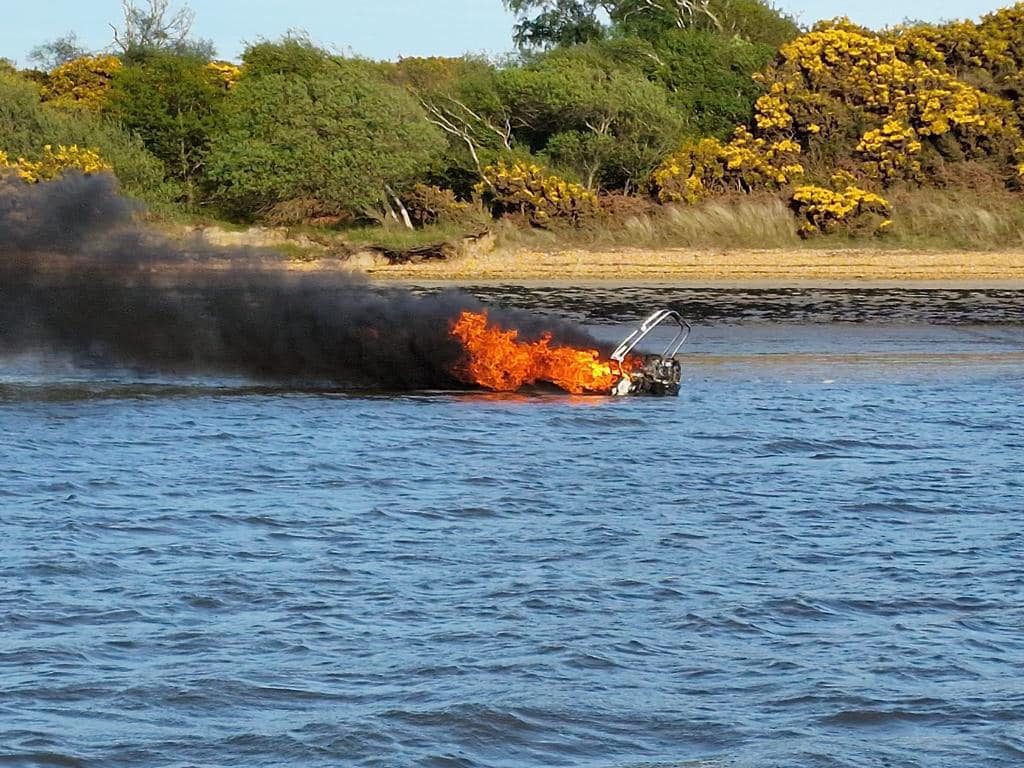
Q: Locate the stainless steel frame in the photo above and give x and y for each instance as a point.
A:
(648, 325)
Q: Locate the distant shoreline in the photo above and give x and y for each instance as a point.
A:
(481, 260)
(733, 268)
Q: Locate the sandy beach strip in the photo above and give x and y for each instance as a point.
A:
(686, 266)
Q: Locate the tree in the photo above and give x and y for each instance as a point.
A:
(756, 21)
(710, 78)
(604, 121)
(341, 141)
(170, 101)
(54, 53)
(460, 97)
(27, 125)
(155, 27)
(547, 23)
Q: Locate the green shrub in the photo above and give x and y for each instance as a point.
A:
(342, 140)
(710, 77)
(170, 101)
(27, 125)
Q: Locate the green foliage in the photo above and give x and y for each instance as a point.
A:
(547, 23)
(468, 79)
(755, 21)
(710, 77)
(53, 53)
(291, 147)
(23, 122)
(27, 125)
(608, 125)
(551, 23)
(631, 55)
(294, 54)
(460, 97)
(171, 102)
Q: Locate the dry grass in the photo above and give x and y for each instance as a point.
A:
(734, 223)
(399, 238)
(958, 219)
(924, 219)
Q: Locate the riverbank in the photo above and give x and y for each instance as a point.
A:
(802, 265)
(487, 258)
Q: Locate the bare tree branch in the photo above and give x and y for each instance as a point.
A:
(153, 25)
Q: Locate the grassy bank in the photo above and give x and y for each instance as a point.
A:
(929, 223)
(929, 220)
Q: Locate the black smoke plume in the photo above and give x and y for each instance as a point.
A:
(79, 276)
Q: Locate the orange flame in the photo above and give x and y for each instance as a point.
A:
(495, 359)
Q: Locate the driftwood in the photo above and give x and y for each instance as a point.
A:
(432, 252)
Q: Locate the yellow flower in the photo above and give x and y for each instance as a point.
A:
(83, 82)
(224, 73)
(55, 163)
(524, 188)
(825, 210)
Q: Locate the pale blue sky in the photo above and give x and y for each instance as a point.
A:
(381, 28)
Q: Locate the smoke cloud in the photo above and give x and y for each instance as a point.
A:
(79, 276)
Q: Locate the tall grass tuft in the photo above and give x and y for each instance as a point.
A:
(958, 219)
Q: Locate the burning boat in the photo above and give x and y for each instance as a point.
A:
(496, 359)
(652, 374)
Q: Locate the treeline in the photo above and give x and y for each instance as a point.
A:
(611, 108)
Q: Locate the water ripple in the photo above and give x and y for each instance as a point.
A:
(768, 570)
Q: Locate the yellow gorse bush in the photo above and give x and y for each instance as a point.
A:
(82, 82)
(824, 211)
(886, 105)
(891, 152)
(224, 73)
(525, 188)
(53, 163)
(839, 69)
(995, 44)
(708, 167)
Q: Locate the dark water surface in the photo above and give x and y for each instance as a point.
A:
(812, 557)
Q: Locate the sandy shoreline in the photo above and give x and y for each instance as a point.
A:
(722, 267)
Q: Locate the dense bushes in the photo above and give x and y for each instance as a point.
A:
(27, 125)
(171, 102)
(603, 124)
(656, 102)
(336, 141)
(710, 78)
(887, 109)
